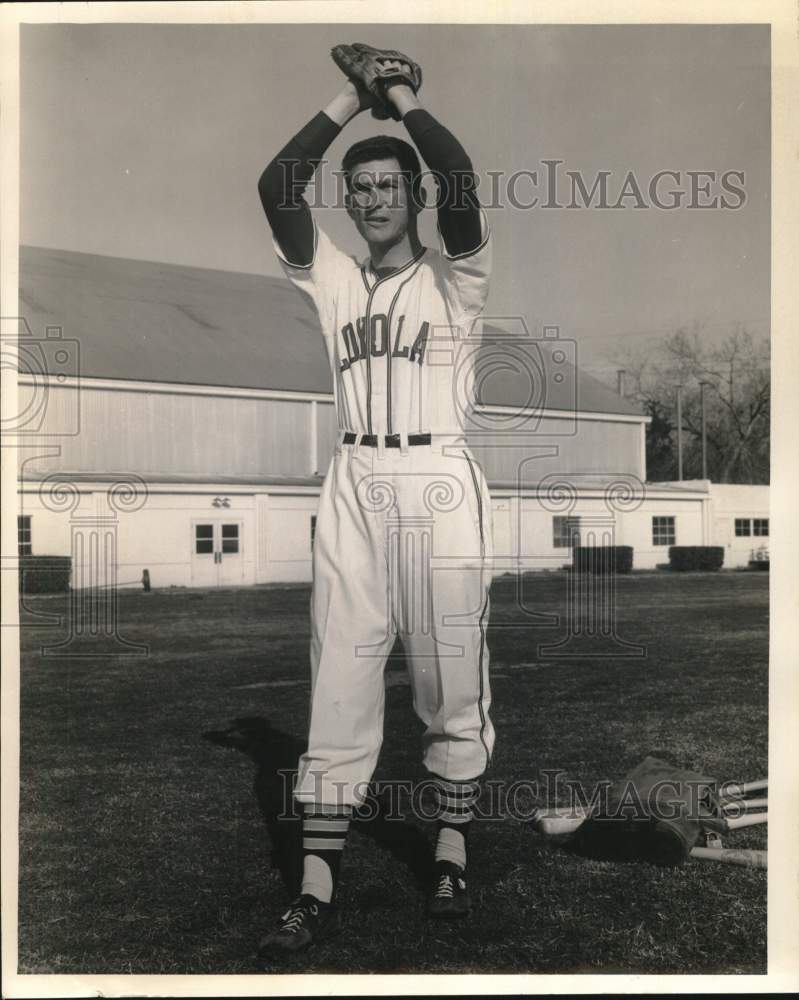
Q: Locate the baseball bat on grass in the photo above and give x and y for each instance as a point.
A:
(559, 822)
(724, 824)
(746, 859)
(743, 805)
(727, 790)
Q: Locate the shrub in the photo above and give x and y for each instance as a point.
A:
(44, 574)
(696, 557)
(603, 558)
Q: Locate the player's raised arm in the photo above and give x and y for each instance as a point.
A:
(282, 184)
(458, 206)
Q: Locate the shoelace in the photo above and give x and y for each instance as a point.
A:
(293, 919)
(446, 889)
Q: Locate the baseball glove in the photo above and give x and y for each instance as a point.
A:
(367, 67)
(656, 813)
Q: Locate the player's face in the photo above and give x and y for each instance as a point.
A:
(379, 201)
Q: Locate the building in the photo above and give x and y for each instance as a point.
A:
(189, 413)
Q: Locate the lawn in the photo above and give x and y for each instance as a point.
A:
(151, 788)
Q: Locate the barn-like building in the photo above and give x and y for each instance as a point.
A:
(191, 412)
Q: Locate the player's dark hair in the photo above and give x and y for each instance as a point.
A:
(386, 147)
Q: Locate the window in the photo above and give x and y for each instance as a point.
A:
(230, 539)
(313, 529)
(204, 539)
(760, 526)
(565, 532)
(663, 531)
(743, 527)
(24, 535)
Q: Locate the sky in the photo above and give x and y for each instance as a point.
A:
(147, 141)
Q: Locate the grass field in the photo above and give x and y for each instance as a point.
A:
(150, 791)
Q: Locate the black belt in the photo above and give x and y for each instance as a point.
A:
(391, 440)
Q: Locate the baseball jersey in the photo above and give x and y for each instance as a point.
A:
(402, 349)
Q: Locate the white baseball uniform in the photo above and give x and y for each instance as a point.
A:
(403, 534)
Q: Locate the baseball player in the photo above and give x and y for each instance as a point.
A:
(403, 534)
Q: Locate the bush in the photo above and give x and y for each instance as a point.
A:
(603, 558)
(708, 558)
(44, 574)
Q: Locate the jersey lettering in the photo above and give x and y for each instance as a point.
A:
(350, 347)
(420, 343)
(399, 352)
(379, 324)
(360, 325)
(355, 341)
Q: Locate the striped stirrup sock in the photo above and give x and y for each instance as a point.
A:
(456, 802)
(324, 830)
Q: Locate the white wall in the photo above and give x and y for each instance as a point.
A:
(287, 557)
(524, 530)
(637, 528)
(110, 428)
(275, 531)
(728, 502)
(274, 537)
(181, 430)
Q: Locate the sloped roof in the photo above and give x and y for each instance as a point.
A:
(158, 322)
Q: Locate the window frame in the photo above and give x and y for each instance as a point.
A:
(230, 545)
(564, 529)
(206, 539)
(24, 527)
(668, 529)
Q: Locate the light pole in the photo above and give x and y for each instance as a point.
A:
(679, 432)
(704, 427)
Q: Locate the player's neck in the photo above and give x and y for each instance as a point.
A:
(395, 255)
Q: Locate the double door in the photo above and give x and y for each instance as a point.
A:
(217, 559)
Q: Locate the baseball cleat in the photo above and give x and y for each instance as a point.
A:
(449, 896)
(308, 919)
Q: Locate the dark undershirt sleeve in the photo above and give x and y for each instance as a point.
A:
(458, 206)
(283, 183)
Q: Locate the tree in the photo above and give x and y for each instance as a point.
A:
(737, 397)
(660, 436)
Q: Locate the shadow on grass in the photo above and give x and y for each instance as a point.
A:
(406, 842)
(275, 755)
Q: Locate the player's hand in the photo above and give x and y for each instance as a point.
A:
(350, 101)
(359, 93)
(403, 97)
